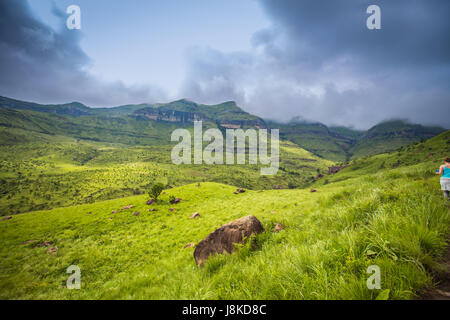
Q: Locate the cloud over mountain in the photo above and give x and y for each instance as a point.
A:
(39, 63)
(318, 60)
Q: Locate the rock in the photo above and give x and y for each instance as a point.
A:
(277, 187)
(128, 207)
(44, 244)
(136, 213)
(224, 238)
(335, 169)
(171, 209)
(278, 227)
(313, 190)
(194, 215)
(189, 245)
(113, 212)
(29, 242)
(240, 190)
(176, 200)
(52, 250)
(6, 218)
(150, 201)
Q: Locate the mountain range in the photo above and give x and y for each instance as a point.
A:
(145, 124)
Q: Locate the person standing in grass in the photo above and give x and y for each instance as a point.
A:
(444, 170)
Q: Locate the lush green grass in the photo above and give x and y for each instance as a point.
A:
(130, 125)
(385, 210)
(51, 171)
(398, 222)
(420, 158)
(332, 144)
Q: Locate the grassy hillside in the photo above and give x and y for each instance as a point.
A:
(421, 158)
(389, 136)
(121, 129)
(224, 112)
(319, 139)
(151, 124)
(390, 215)
(40, 171)
(342, 144)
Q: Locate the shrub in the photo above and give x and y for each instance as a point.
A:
(156, 190)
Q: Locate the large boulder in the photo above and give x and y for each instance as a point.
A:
(224, 239)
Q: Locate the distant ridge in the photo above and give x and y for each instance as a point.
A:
(342, 144)
(151, 123)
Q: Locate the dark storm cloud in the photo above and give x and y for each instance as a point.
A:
(414, 33)
(319, 61)
(39, 63)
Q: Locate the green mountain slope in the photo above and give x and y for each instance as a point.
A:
(49, 160)
(342, 144)
(226, 114)
(73, 109)
(388, 136)
(389, 215)
(420, 158)
(328, 143)
(149, 124)
(120, 129)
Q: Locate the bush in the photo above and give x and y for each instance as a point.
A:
(156, 190)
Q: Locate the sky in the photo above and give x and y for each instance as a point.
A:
(315, 60)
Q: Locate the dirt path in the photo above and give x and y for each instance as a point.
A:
(442, 278)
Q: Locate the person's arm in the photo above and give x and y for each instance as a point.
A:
(441, 169)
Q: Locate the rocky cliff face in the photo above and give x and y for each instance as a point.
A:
(159, 114)
(238, 124)
(169, 115)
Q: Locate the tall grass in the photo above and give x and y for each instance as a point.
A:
(331, 237)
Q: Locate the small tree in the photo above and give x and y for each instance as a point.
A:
(156, 190)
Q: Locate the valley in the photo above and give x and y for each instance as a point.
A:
(393, 217)
(74, 190)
